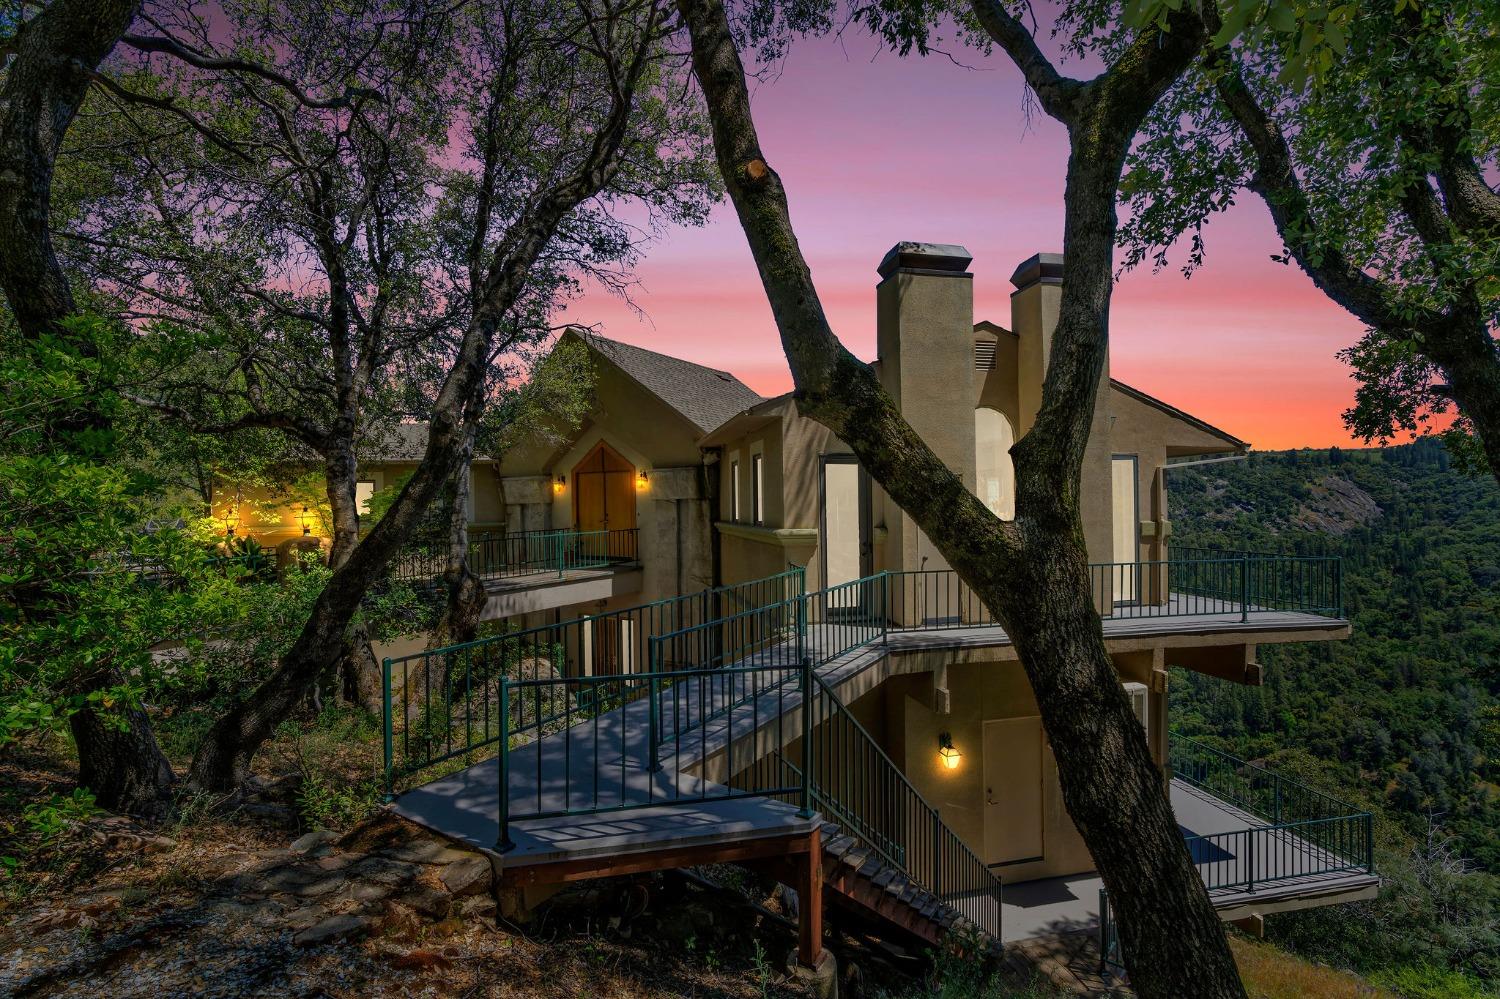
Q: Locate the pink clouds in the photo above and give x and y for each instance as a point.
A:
(876, 150)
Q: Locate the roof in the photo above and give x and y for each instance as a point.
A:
(1173, 411)
(705, 396)
(404, 442)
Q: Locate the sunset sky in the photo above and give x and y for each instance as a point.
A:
(875, 149)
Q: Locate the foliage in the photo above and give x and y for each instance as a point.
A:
(1401, 717)
(1402, 108)
(333, 757)
(97, 569)
(44, 834)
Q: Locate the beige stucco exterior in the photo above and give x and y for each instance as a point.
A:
(702, 523)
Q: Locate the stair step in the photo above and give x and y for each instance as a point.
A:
(856, 857)
(838, 847)
(872, 866)
(897, 886)
(884, 876)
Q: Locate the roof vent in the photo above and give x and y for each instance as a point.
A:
(984, 355)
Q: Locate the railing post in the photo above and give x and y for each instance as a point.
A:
(1244, 588)
(653, 725)
(1369, 843)
(1250, 852)
(801, 626)
(503, 841)
(806, 811)
(388, 724)
(885, 615)
(561, 557)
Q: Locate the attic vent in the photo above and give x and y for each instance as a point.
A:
(984, 355)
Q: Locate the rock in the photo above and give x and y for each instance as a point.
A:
(307, 916)
(322, 886)
(478, 906)
(309, 842)
(158, 844)
(427, 901)
(383, 870)
(331, 930)
(470, 876)
(364, 891)
(334, 862)
(425, 851)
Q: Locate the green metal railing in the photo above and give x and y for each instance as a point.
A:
(442, 704)
(1311, 584)
(1300, 833)
(524, 553)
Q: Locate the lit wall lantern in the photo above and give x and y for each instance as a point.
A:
(305, 519)
(559, 484)
(642, 480)
(947, 753)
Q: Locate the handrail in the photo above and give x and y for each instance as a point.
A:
(1252, 787)
(524, 553)
(450, 695)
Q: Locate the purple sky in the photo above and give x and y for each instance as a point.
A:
(875, 149)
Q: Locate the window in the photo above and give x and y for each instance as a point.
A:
(995, 476)
(363, 490)
(757, 489)
(734, 490)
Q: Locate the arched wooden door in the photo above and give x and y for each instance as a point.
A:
(604, 493)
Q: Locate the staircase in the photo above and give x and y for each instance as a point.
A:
(859, 879)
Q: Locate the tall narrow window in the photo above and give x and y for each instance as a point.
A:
(734, 490)
(995, 478)
(757, 489)
(363, 491)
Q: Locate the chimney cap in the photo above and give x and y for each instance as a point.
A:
(1044, 267)
(907, 254)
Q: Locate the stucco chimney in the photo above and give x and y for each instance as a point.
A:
(1033, 315)
(925, 336)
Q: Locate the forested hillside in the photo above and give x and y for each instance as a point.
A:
(1404, 717)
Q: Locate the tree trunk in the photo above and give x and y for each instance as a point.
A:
(45, 84)
(466, 595)
(122, 765)
(1033, 574)
(499, 276)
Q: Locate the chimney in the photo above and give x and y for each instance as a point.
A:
(925, 337)
(1033, 314)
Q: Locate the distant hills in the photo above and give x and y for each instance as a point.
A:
(1405, 715)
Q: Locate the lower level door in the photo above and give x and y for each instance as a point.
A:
(1012, 790)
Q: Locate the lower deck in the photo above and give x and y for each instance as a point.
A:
(1055, 906)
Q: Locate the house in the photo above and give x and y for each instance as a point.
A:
(780, 657)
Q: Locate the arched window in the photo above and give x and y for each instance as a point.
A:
(995, 476)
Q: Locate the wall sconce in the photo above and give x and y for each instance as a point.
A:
(947, 753)
(305, 519)
(559, 484)
(642, 480)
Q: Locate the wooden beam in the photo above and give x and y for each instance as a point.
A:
(654, 860)
(810, 903)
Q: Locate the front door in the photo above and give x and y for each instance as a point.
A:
(1012, 790)
(604, 496)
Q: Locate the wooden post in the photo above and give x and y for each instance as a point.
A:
(810, 903)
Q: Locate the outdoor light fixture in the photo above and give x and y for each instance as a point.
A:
(306, 521)
(559, 484)
(947, 753)
(642, 479)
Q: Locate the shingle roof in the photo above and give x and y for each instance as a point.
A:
(706, 396)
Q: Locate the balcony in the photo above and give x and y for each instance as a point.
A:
(1261, 841)
(526, 571)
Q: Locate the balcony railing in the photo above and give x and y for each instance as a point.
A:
(524, 553)
(1292, 832)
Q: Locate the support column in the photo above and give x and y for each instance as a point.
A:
(810, 904)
